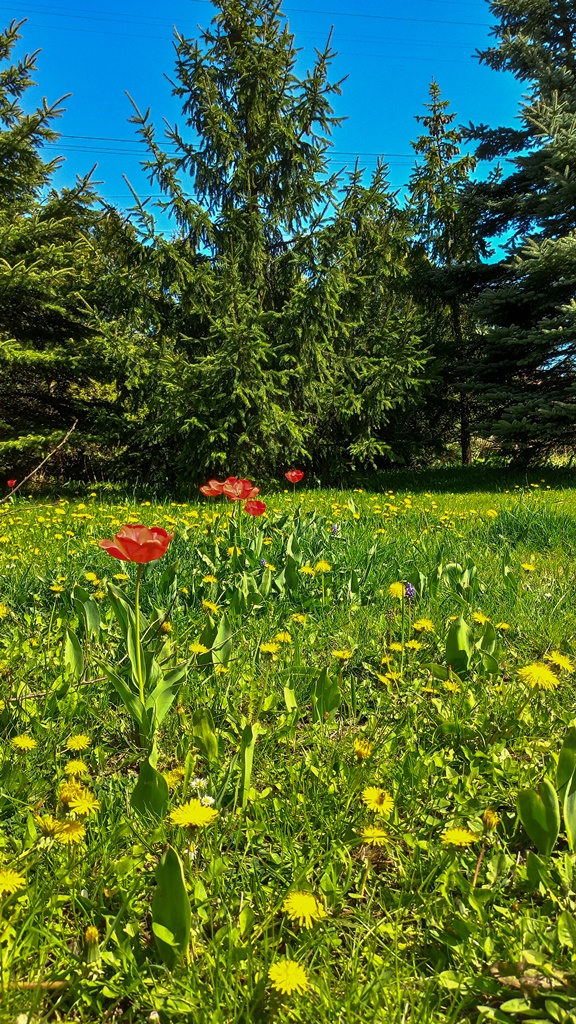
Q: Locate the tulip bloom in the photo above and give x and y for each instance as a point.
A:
(237, 489)
(11, 483)
(136, 543)
(255, 508)
(294, 475)
(212, 489)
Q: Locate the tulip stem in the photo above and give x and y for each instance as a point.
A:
(138, 649)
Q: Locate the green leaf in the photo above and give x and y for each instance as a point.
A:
(73, 655)
(131, 700)
(88, 610)
(165, 692)
(489, 639)
(325, 698)
(247, 745)
(459, 645)
(290, 699)
(566, 927)
(293, 549)
(540, 814)
(569, 809)
(566, 761)
(222, 642)
(171, 909)
(150, 794)
(204, 735)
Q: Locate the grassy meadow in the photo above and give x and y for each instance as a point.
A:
(362, 777)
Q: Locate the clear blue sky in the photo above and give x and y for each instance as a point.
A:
(389, 50)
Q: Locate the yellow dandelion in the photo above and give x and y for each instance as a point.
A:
(24, 744)
(198, 648)
(4, 611)
(304, 908)
(70, 791)
(528, 566)
(490, 819)
(374, 836)
(397, 590)
(91, 577)
(283, 637)
(561, 660)
(413, 645)
(491, 513)
(395, 646)
(307, 570)
(48, 824)
(57, 588)
(299, 618)
(270, 647)
(459, 837)
(10, 881)
(221, 670)
(193, 815)
(121, 576)
(287, 976)
(76, 767)
(209, 606)
(503, 625)
(209, 578)
(480, 618)
(78, 742)
(322, 566)
(362, 748)
(451, 686)
(343, 655)
(91, 935)
(234, 550)
(84, 804)
(378, 800)
(70, 832)
(538, 676)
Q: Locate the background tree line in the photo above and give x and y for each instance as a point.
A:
(294, 315)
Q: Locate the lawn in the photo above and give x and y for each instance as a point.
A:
(355, 780)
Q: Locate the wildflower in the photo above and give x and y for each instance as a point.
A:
(559, 659)
(538, 676)
(10, 881)
(299, 618)
(11, 483)
(410, 592)
(307, 570)
(255, 508)
(24, 744)
(362, 748)
(334, 528)
(491, 513)
(198, 648)
(491, 819)
(322, 566)
(167, 627)
(91, 935)
(451, 686)
(270, 647)
(528, 566)
(121, 576)
(91, 577)
(480, 618)
(3, 611)
(70, 791)
(423, 626)
(294, 475)
(413, 645)
(459, 837)
(395, 646)
(207, 801)
(76, 767)
(221, 670)
(343, 655)
(378, 800)
(209, 606)
(283, 637)
(304, 908)
(239, 490)
(209, 578)
(78, 742)
(173, 777)
(48, 824)
(397, 590)
(234, 550)
(212, 489)
(374, 836)
(84, 804)
(136, 543)
(57, 588)
(193, 815)
(70, 832)
(503, 625)
(287, 976)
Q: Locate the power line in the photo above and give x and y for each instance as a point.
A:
(335, 152)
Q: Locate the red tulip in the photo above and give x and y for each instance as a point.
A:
(255, 508)
(212, 489)
(238, 489)
(136, 543)
(11, 483)
(294, 475)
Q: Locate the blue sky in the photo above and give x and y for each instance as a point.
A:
(390, 51)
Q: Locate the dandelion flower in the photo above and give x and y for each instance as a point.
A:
(491, 513)
(23, 744)
(299, 618)
(57, 588)
(397, 590)
(271, 647)
(210, 579)
(413, 645)
(304, 908)
(480, 618)
(490, 819)
(198, 648)
(234, 550)
(76, 767)
(121, 576)
(322, 566)
(528, 566)
(459, 837)
(378, 800)
(559, 659)
(538, 676)
(85, 803)
(209, 606)
(451, 686)
(70, 791)
(283, 637)
(503, 625)
(287, 976)
(10, 881)
(3, 611)
(193, 815)
(307, 570)
(423, 626)
(373, 835)
(395, 646)
(343, 655)
(48, 824)
(91, 935)
(79, 742)
(363, 748)
(70, 832)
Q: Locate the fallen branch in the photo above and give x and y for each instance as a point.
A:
(43, 463)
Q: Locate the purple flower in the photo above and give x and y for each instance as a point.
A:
(263, 562)
(410, 592)
(335, 529)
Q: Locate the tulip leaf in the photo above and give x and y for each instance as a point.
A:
(73, 655)
(204, 735)
(540, 814)
(459, 645)
(325, 698)
(247, 745)
(566, 761)
(162, 697)
(171, 913)
(131, 700)
(150, 794)
(87, 609)
(222, 646)
(570, 811)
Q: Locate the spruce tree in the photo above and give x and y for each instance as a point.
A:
(526, 378)
(280, 305)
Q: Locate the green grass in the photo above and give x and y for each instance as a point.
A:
(415, 930)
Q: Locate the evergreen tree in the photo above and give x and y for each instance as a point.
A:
(448, 246)
(52, 367)
(526, 377)
(280, 310)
